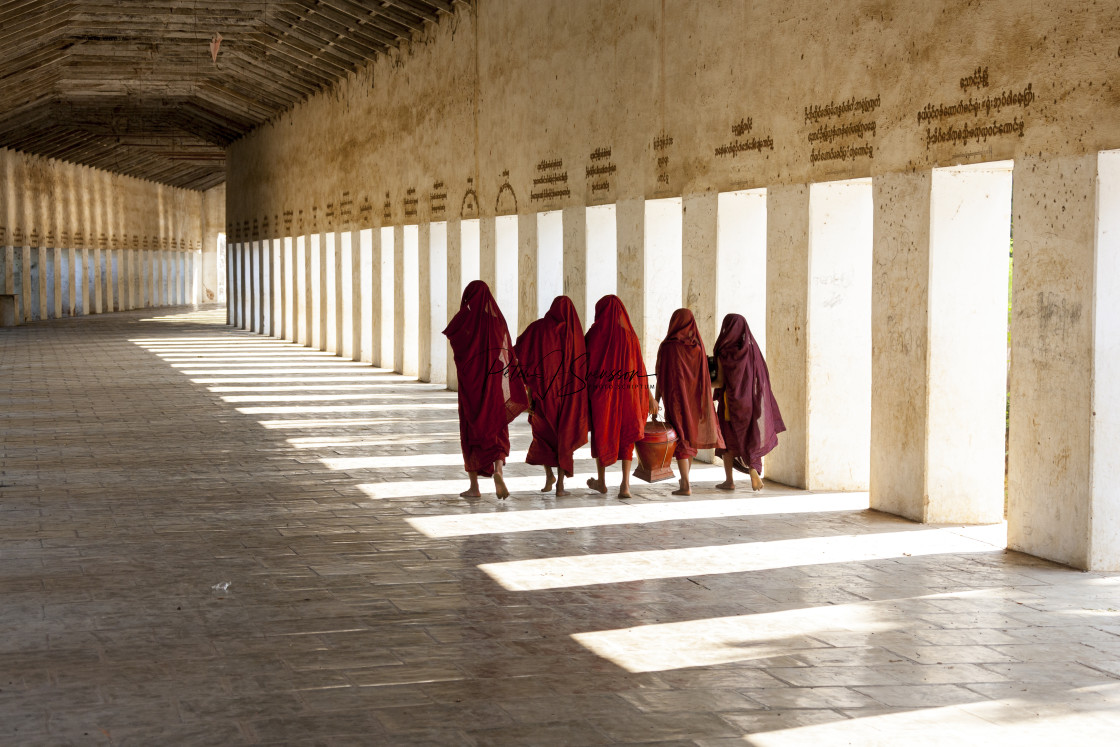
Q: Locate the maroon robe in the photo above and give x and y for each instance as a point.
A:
(685, 386)
(616, 383)
(553, 362)
(748, 413)
(489, 398)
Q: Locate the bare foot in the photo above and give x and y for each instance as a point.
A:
(729, 485)
(500, 487)
(756, 481)
(549, 481)
(682, 491)
(596, 485)
(623, 495)
(560, 492)
(470, 493)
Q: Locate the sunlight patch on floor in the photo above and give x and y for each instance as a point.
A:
(626, 513)
(410, 407)
(615, 568)
(1042, 720)
(659, 647)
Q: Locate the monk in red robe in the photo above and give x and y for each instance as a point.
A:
(618, 394)
(748, 413)
(553, 362)
(685, 386)
(489, 395)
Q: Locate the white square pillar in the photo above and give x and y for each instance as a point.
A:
(630, 223)
(787, 321)
(367, 288)
(302, 291)
(409, 325)
(318, 283)
(387, 349)
(351, 321)
(437, 262)
(289, 289)
(332, 287)
(424, 302)
(700, 276)
(528, 283)
(575, 259)
(1063, 500)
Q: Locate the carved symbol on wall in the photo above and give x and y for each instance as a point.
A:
(469, 208)
(506, 204)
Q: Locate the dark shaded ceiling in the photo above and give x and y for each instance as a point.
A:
(130, 85)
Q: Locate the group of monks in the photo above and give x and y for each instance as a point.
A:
(572, 383)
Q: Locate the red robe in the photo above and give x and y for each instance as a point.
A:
(685, 386)
(616, 383)
(489, 397)
(748, 412)
(553, 362)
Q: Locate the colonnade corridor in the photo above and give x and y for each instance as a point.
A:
(214, 537)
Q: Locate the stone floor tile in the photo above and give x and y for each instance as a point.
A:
(920, 696)
(655, 727)
(560, 734)
(811, 698)
(696, 701)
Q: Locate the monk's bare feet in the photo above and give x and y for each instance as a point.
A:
(500, 486)
(597, 485)
(548, 483)
(682, 491)
(560, 492)
(729, 485)
(470, 493)
(756, 480)
(624, 494)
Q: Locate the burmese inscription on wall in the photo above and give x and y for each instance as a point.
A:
(662, 145)
(437, 199)
(551, 181)
(600, 175)
(980, 116)
(745, 140)
(842, 131)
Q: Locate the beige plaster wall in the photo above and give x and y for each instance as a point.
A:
(44, 202)
(527, 105)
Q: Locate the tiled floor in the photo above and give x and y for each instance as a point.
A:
(144, 462)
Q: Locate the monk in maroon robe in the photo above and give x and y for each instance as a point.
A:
(748, 414)
(685, 386)
(553, 362)
(618, 394)
(489, 396)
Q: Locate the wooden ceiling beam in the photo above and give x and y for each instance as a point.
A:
(344, 23)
